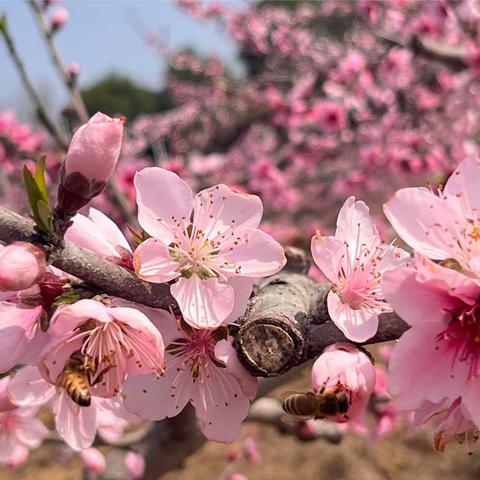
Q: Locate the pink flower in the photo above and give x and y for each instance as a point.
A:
(201, 367)
(252, 454)
(75, 424)
(21, 265)
(20, 431)
(98, 234)
(58, 19)
(354, 260)
(442, 307)
(446, 226)
(450, 420)
(113, 340)
(134, 465)
(91, 159)
(347, 371)
(205, 243)
(93, 460)
(330, 116)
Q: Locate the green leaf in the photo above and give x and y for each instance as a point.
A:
(3, 23)
(38, 197)
(44, 215)
(40, 178)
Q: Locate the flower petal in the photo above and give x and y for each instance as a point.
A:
(76, 425)
(355, 226)
(250, 253)
(327, 253)
(28, 388)
(162, 197)
(218, 209)
(422, 220)
(204, 303)
(155, 398)
(152, 262)
(357, 325)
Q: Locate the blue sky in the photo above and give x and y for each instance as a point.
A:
(102, 36)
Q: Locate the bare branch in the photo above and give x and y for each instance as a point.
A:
(57, 60)
(28, 84)
(108, 277)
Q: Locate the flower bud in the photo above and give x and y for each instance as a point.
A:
(90, 161)
(134, 465)
(93, 460)
(58, 19)
(21, 265)
(346, 372)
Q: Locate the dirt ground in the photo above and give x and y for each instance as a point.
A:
(398, 457)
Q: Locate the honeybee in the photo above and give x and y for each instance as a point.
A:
(74, 378)
(318, 405)
(77, 377)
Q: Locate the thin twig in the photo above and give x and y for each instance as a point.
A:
(27, 83)
(57, 60)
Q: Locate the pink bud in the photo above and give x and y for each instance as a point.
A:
(251, 451)
(21, 265)
(73, 70)
(90, 161)
(58, 19)
(348, 373)
(233, 454)
(134, 465)
(93, 460)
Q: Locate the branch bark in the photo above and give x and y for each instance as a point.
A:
(107, 276)
(286, 323)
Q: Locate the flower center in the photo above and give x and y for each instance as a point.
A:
(462, 338)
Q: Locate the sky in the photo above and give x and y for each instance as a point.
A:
(101, 36)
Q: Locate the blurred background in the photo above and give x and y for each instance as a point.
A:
(301, 102)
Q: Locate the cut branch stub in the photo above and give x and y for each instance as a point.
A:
(271, 339)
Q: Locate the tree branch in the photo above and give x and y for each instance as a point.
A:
(27, 83)
(286, 323)
(57, 60)
(107, 276)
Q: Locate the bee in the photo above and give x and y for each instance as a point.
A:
(318, 405)
(77, 377)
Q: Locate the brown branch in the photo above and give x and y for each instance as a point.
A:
(107, 276)
(57, 60)
(28, 85)
(454, 56)
(287, 323)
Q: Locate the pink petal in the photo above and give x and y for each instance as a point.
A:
(216, 207)
(32, 433)
(152, 398)
(357, 325)
(56, 357)
(327, 253)
(411, 380)
(13, 453)
(228, 355)
(76, 425)
(108, 229)
(68, 317)
(220, 414)
(420, 218)
(28, 388)
(161, 195)
(204, 303)
(153, 263)
(17, 327)
(462, 185)
(470, 398)
(415, 302)
(85, 234)
(355, 226)
(253, 252)
(242, 287)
